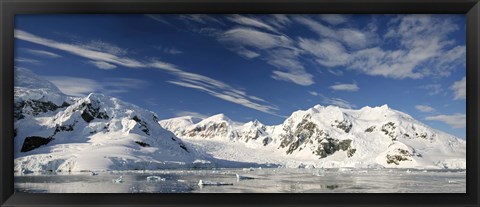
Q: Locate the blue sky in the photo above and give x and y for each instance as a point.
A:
(255, 66)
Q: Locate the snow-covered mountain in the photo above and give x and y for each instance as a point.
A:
(60, 133)
(328, 137)
(56, 132)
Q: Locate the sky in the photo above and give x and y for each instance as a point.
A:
(251, 67)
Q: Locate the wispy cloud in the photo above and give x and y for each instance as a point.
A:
(334, 19)
(79, 50)
(336, 102)
(27, 60)
(424, 48)
(247, 21)
(80, 87)
(103, 65)
(158, 18)
(460, 89)
(454, 120)
(169, 50)
(43, 53)
(277, 50)
(425, 108)
(191, 113)
(215, 88)
(313, 93)
(345, 87)
(433, 89)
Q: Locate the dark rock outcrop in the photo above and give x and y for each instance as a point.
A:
(34, 142)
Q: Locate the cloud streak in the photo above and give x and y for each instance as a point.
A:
(460, 89)
(424, 108)
(80, 87)
(79, 50)
(215, 88)
(43, 53)
(455, 120)
(345, 87)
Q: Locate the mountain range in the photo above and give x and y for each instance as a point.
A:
(56, 132)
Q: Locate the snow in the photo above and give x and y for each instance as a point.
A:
(122, 136)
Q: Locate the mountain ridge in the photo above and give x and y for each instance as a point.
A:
(56, 132)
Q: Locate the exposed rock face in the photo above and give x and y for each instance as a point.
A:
(34, 142)
(143, 125)
(389, 130)
(307, 134)
(400, 155)
(34, 108)
(143, 144)
(90, 111)
(344, 125)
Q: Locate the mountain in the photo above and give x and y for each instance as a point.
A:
(329, 136)
(55, 132)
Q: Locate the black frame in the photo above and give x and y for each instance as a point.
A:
(8, 8)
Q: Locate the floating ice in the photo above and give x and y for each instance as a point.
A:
(118, 180)
(155, 179)
(204, 183)
(93, 173)
(241, 177)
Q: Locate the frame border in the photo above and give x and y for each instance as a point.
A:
(8, 8)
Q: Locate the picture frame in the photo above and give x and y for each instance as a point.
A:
(9, 8)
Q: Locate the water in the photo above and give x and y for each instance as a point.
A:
(266, 180)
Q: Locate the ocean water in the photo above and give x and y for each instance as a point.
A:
(252, 180)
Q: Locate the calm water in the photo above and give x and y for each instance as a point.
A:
(265, 181)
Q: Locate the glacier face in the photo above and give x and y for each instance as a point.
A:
(55, 132)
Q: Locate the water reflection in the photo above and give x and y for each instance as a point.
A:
(266, 180)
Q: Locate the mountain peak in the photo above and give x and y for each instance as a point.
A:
(217, 118)
(27, 79)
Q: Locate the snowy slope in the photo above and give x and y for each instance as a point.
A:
(59, 133)
(330, 137)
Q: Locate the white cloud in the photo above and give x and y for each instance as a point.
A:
(75, 86)
(80, 87)
(102, 46)
(351, 37)
(423, 47)
(301, 78)
(460, 89)
(433, 89)
(345, 87)
(425, 108)
(102, 65)
(200, 18)
(454, 120)
(334, 19)
(167, 50)
(158, 18)
(27, 60)
(279, 20)
(328, 52)
(313, 93)
(191, 113)
(336, 102)
(248, 21)
(254, 38)
(278, 50)
(79, 50)
(43, 53)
